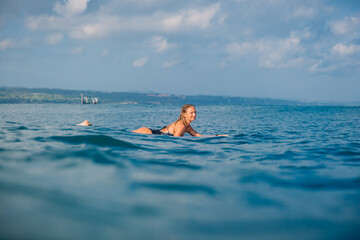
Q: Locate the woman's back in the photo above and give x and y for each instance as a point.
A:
(173, 127)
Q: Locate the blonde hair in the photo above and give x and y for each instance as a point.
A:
(183, 110)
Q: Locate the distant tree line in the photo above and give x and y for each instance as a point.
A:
(45, 95)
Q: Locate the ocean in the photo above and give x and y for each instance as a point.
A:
(284, 172)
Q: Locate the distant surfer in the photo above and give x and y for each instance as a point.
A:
(179, 127)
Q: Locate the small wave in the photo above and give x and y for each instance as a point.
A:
(172, 164)
(10, 122)
(142, 210)
(301, 142)
(190, 151)
(287, 155)
(241, 135)
(242, 142)
(303, 167)
(291, 132)
(260, 136)
(315, 183)
(94, 155)
(347, 153)
(177, 187)
(257, 200)
(39, 139)
(355, 145)
(49, 195)
(99, 140)
(352, 160)
(17, 128)
(71, 205)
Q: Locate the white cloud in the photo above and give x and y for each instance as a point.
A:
(173, 22)
(70, 7)
(77, 50)
(160, 44)
(222, 19)
(345, 50)
(239, 49)
(340, 57)
(321, 67)
(283, 53)
(273, 53)
(170, 64)
(82, 27)
(45, 22)
(54, 39)
(140, 62)
(90, 30)
(103, 24)
(304, 12)
(328, 65)
(105, 52)
(315, 67)
(10, 43)
(115, 5)
(222, 64)
(192, 18)
(6, 43)
(202, 18)
(347, 26)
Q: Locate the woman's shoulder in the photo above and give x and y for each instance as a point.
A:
(179, 124)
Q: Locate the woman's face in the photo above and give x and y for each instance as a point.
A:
(190, 114)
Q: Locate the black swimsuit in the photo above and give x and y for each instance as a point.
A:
(159, 132)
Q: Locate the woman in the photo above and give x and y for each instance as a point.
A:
(179, 127)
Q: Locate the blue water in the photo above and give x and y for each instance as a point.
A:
(284, 172)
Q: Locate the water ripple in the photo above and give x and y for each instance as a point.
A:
(98, 140)
(176, 187)
(314, 183)
(171, 164)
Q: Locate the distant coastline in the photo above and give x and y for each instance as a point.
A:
(46, 95)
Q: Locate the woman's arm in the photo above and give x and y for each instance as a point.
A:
(192, 132)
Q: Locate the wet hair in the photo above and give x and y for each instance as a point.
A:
(183, 110)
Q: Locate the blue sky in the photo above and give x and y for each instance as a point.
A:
(302, 50)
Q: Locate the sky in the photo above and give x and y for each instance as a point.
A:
(298, 50)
